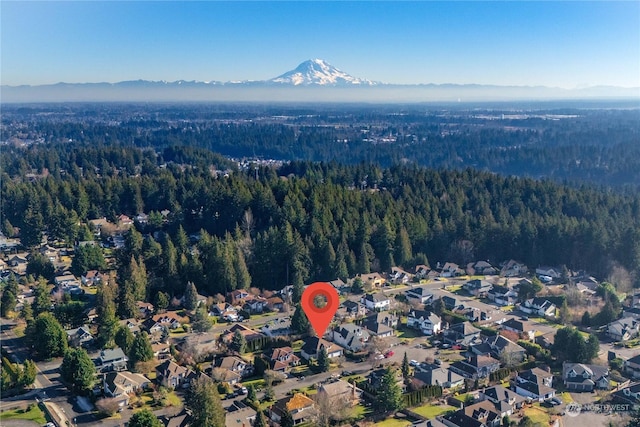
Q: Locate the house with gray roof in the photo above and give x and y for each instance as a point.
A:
(352, 337)
(536, 384)
(462, 333)
(583, 377)
(623, 329)
(427, 322)
(112, 360)
(433, 375)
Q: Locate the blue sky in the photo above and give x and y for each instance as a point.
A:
(568, 44)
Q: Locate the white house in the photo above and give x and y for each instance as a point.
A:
(539, 306)
(428, 323)
(351, 336)
(536, 384)
(377, 301)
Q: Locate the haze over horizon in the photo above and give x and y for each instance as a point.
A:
(565, 45)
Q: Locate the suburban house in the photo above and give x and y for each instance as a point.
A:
(623, 329)
(582, 377)
(275, 303)
(352, 337)
(353, 309)
(429, 423)
(91, 278)
(248, 333)
(502, 396)
(237, 365)
(223, 310)
(421, 271)
(476, 366)
(120, 385)
(503, 295)
(478, 288)
(80, 336)
(277, 328)
(170, 320)
(239, 415)
(421, 295)
(482, 414)
(551, 272)
(144, 308)
(523, 328)
(398, 275)
(474, 314)
(301, 408)
(451, 303)
(338, 284)
(283, 358)
(501, 348)
(374, 280)
(380, 324)
(112, 360)
(628, 395)
(170, 374)
(312, 346)
(513, 269)
(481, 268)
(462, 333)
(433, 375)
(632, 367)
(124, 220)
(539, 306)
(536, 384)
(427, 322)
(377, 302)
(340, 394)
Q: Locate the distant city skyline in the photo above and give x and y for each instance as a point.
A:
(557, 44)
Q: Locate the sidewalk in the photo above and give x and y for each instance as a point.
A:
(57, 414)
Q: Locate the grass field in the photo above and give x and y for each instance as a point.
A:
(392, 422)
(537, 415)
(431, 411)
(34, 413)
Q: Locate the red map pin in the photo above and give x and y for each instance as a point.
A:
(320, 316)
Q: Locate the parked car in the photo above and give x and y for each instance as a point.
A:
(555, 401)
(388, 354)
(413, 363)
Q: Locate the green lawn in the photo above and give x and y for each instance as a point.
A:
(461, 397)
(406, 332)
(34, 413)
(537, 415)
(566, 397)
(358, 412)
(430, 411)
(392, 422)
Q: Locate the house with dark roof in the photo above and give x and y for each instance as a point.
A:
(381, 324)
(427, 322)
(478, 288)
(497, 345)
(451, 303)
(433, 375)
(312, 346)
(481, 414)
(399, 275)
(474, 367)
(481, 268)
(503, 295)
(352, 309)
(351, 336)
(81, 336)
(429, 423)
(112, 360)
(623, 329)
(583, 377)
(418, 294)
(539, 306)
(500, 395)
(628, 395)
(522, 328)
(421, 271)
(632, 366)
(462, 333)
(536, 384)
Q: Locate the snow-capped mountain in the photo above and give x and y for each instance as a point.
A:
(316, 72)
